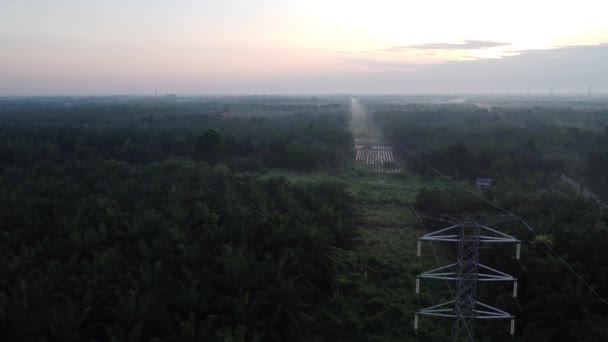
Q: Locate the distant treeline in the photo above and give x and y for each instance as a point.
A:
(133, 134)
(468, 142)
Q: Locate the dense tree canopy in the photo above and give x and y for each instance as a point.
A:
(154, 220)
(209, 146)
(133, 228)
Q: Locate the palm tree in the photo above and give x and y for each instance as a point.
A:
(283, 300)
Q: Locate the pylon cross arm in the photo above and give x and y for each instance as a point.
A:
(481, 311)
(450, 272)
(451, 234)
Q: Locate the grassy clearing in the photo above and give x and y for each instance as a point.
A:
(381, 198)
(366, 186)
(375, 299)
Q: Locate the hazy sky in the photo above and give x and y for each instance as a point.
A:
(301, 46)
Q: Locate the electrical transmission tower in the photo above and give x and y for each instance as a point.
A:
(464, 274)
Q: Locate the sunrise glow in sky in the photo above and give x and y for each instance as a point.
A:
(291, 46)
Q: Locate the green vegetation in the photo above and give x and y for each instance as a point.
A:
(118, 227)
(525, 156)
(373, 294)
(154, 220)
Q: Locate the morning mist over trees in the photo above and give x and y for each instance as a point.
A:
(294, 170)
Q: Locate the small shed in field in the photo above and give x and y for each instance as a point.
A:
(483, 183)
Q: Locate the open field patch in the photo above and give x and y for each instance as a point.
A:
(376, 156)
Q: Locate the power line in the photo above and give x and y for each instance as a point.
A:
(506, 212)
(523, 312)
(464, 308)
(439, 263)
(565, 263)
(539, 288)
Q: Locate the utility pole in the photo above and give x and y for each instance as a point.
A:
(464, 308)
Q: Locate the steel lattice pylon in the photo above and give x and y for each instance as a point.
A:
(466, 287)
(464, 309)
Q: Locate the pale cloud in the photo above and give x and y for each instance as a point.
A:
(466, 45)
(431, 48)
(378, 63)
